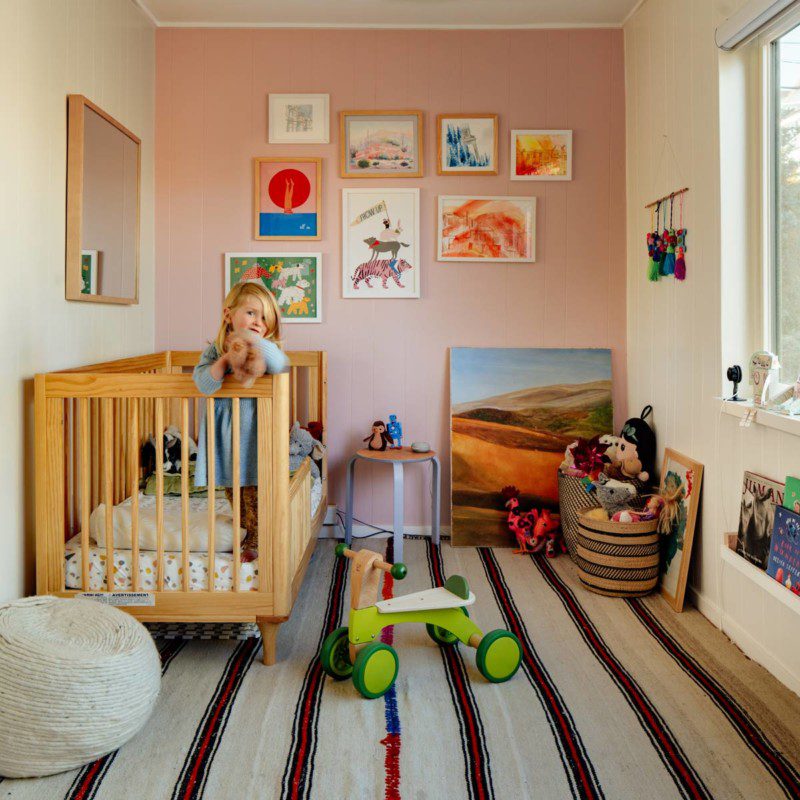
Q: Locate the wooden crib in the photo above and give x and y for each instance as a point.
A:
(90, 424)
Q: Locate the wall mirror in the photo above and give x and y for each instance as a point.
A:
(103, 193)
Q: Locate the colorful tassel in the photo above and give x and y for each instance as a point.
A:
(680, 250)
(669, 257)
(662, 246)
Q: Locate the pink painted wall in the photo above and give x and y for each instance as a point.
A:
(392, 355)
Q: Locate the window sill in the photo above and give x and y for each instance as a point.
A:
(760, 578)
(761, 416)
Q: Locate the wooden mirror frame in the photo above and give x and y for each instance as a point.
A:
(75, 156)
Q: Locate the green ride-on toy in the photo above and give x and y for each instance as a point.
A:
(355, 651)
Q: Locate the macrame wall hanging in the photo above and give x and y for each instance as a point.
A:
(666, 246)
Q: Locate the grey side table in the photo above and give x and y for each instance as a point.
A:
(397, 458)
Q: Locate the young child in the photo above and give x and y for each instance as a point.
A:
(251, 311)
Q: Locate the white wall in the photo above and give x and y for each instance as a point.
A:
(106, 51)
(676, 350)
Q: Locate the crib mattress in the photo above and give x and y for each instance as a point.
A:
(173, 569)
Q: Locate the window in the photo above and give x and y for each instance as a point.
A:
(783, 295)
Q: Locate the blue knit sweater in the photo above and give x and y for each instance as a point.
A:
(276, 361)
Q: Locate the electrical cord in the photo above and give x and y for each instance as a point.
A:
(340, 517)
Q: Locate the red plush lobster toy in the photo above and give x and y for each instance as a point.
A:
(534, 530)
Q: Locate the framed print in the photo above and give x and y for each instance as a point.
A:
(89, 267)
(681, 480)
(294, 278)
(287, 198)
(380, 243)
(541, 155)
(381, 144)
(299, 119)
(484, 228)
(467, 144)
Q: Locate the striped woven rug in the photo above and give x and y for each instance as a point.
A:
(614, 699)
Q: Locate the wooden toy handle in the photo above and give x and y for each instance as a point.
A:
(397, 571)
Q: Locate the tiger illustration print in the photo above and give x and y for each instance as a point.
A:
(379, 269)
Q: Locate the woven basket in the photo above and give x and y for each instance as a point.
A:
(77, 680)
(618, 559)
(572, 499)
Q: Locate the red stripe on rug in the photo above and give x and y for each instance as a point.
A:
(392, 741)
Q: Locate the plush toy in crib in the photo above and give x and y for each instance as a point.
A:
(302, 444)
(173, 452)
(245, 361)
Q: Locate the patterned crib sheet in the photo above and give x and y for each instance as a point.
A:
(173, 568)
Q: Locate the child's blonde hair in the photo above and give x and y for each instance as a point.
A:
(238, 295)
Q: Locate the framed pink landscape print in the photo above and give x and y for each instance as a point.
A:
(491, 229)
(381, 144)
(287, 195)
(541, 155)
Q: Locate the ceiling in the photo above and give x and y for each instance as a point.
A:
(389, 13)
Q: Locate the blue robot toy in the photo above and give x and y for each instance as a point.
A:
(395, 430)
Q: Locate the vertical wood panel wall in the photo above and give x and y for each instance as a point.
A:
(104, 50)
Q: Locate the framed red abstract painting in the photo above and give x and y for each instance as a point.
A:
(287, 199)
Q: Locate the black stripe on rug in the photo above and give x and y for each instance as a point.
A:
(90, 777)
(196, 766)
(773, 760)
(299, 771)
(578, 767)
(689, 783)
(477, 764)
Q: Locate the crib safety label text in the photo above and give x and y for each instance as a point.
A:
(121, 598)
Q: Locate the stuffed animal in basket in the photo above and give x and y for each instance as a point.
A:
(635, 452)
(245, 361)
(302, 444)
(612, 494)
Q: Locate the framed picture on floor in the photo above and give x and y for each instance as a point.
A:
(681, 480)
(467, 144)
(89, 267)
(381, 144)
(299, 119)
(294, 278)
(541, 155)
(287, 199)
(380, 243)
(486, 228)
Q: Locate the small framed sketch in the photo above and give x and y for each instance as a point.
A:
(287, 198)
(380, 243)
(484, 228)
(89, 267)
(381, 144)
(681, 479)
(299, 119)
(541, 155)
(467, 144)
(294, 278)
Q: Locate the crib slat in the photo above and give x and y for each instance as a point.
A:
(85, 507)
(95, 464)
(133, 451)
(185, 491)
(236, 500)
(294, 395)
(266, 484)
(66, 434)
(211, 482)
(108, 488)
(159, 427)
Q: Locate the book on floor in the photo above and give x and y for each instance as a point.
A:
(784, 552)
(760, 496)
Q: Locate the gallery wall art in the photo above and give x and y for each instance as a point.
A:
(537, 155)
(287, 199)
(484, 228)
(381, 144)
(89, 271)
(294, 278)
(380, 243)
(299, 119)
(513, 411)
(467, 144)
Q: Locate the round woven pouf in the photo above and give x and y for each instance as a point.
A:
(77, 680)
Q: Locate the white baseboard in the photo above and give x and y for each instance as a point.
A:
(333, 529)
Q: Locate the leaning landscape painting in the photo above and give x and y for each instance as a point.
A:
(513, 412)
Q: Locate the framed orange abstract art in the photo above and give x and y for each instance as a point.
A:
(287, 199)
(541, 155)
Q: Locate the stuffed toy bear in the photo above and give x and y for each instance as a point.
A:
(245, 361)
(302, 444)
(613, 495)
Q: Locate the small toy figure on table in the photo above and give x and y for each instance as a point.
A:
(395, 430)
(379, 438)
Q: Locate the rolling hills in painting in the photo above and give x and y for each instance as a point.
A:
(517, 437)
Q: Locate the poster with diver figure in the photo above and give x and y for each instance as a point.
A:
(380, 243)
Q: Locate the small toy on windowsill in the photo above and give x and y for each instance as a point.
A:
(378, 438)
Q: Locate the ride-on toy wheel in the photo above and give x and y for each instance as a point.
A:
(375, 670)
(442, 635)
(335, 655)
(499, 656)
